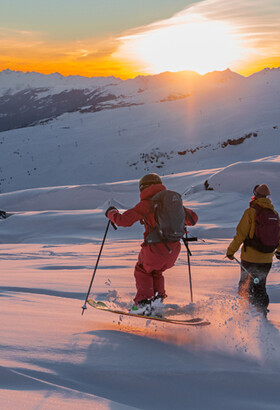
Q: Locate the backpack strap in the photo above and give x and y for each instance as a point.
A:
(146, 223)
(250, 241)
(155, 245)
(255, 206)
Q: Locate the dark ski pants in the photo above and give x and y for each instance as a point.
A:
(153, 260)
(255, 293)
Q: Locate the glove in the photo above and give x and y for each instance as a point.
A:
(231, 257)
(111, 208)
(277, 254)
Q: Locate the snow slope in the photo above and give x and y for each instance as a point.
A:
(51, 357)
(76, 213)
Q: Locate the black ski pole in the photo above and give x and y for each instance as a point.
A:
(96, 265)
(195, 238)
(255, 279)
(186, 240)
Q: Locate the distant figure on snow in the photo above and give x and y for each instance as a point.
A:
(259, 232)
(3, 214)
(154, 258)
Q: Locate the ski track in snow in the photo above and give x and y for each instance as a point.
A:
(49, 348)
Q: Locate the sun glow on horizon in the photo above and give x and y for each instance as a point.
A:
(195, 44)
(206, 36)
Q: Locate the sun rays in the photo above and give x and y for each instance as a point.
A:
(192, 44)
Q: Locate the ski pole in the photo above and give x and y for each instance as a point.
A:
(190, 276)
(187, 191)
(186, 240)
(84, 307)
(256, 280)
(195, 238)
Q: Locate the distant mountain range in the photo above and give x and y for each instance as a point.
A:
(57, 130)
(28, 98)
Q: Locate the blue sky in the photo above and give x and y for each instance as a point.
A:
(73, 19)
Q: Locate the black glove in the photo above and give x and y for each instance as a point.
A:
(230, 257)
(277, 254)
(110, 209)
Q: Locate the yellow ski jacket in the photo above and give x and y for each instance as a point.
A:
(245, 229)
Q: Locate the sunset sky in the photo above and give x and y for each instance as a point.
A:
(126, 38)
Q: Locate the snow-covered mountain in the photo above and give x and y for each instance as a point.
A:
(28, 98)
(94, 130)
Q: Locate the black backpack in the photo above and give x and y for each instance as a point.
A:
(169, 214)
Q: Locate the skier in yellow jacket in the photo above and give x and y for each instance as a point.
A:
(256, 256)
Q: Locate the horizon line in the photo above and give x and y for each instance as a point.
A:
(140, 75)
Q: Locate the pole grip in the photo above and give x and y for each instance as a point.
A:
(114, 226)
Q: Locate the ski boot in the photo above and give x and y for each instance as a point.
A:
(142, 308)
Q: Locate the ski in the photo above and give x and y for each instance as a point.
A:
(186, 322)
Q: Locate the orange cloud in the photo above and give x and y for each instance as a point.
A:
(31, 51)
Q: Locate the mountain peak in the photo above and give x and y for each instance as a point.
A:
(222, 76)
